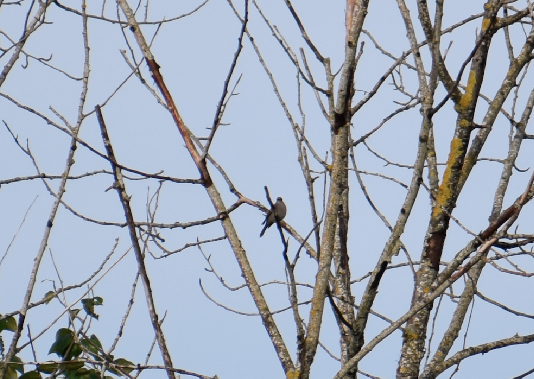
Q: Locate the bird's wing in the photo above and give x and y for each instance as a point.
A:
(267, 216)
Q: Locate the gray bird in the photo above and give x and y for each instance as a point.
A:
(280, 210)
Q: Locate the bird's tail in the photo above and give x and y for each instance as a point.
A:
(263, 230)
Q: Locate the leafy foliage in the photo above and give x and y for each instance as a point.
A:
(77, 352)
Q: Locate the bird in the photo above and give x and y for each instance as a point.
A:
(279, 211)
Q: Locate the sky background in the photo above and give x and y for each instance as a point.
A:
(256, 148)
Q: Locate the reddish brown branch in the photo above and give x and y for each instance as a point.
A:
(158, 78)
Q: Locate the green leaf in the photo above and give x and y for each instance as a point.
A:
(89, 305)
(31, 375)
(92, 344)
(65, 345)
(12, 368)
(73, 313)
(8, 323)
(72, 366)
(74, 351)
(93, 374)
(64, 338)
(82, 373)
(124, 362)
(11, 373)
(49, 296)
(17, 365)
(71, 370)
(47, 368)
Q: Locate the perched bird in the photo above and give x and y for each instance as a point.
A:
(279, 210)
